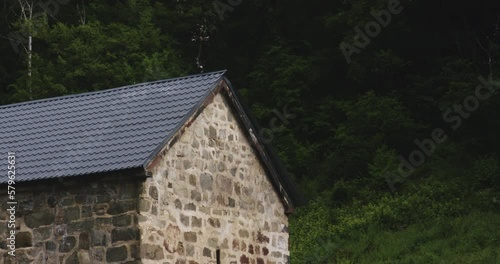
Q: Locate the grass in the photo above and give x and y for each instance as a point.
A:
(474, 238)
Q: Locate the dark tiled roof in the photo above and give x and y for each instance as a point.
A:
(99, 131)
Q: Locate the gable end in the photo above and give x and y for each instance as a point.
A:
(224, 88)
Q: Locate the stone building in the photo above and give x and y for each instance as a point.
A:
(170, 171)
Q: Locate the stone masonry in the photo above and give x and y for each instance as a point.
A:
(210, 195)
(76, 221)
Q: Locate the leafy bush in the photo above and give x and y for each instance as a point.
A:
(485, 172)
(310, 227)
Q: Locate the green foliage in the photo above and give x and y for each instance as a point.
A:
(280, 77)
(310, 226)
(431, 223)
(94, 55)
(162, 65)
(383, 167)
(485, 172)
(469, 239)
(348, 122)
(371, 122)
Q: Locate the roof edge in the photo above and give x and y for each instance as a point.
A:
(106, 90)
(278, 176)
(184, 120)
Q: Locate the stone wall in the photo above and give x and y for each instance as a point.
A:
(210, 195)
(76, 221)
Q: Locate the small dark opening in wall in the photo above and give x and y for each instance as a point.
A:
(217, 255)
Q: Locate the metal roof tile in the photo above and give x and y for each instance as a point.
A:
(99, 131)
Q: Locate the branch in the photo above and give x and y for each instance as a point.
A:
(478, 42)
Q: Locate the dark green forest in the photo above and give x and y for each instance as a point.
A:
(384, 111)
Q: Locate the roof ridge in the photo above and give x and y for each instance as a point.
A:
(107, 90)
